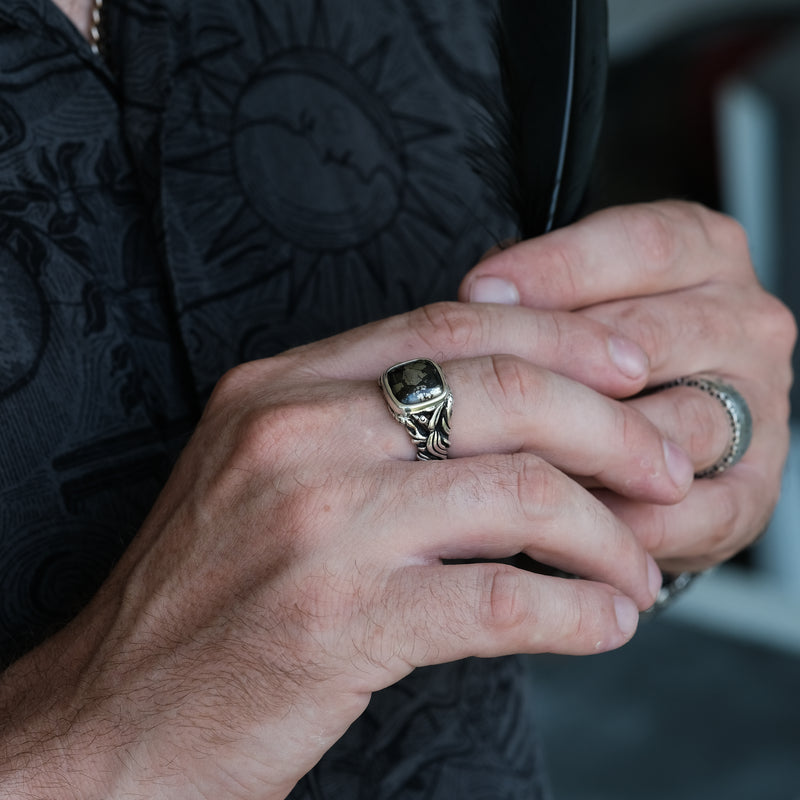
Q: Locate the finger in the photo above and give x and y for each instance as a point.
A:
(503, 404)
(498, 506)
(719, 517)
(701, 424)
(507, 405)
(582, 349)
(716, 327)
(486, 610)
(622, 252)
(693, 419)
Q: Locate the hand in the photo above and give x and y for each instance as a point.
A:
(677, 279)
(294, 562)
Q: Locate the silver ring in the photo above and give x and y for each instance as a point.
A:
(738, 411)
(420, 399)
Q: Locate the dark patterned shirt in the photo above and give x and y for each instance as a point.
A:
(233, 179)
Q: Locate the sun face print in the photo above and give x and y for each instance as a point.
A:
(319, 139)
(320, 154)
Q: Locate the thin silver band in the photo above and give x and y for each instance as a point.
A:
(738, 411)
(431, 436)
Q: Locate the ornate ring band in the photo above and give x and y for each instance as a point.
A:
(419, 398)
(741, 420)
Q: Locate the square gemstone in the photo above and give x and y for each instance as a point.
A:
(415, 382)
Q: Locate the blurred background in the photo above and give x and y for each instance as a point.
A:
(704, 104)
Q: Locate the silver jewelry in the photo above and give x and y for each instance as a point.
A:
(741, 420)
(672, 586)
(419, 398)
(95, 29)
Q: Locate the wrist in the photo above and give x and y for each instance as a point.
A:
(52, 744)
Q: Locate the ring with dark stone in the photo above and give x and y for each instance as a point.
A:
(419, 398)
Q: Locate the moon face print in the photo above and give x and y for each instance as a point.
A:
(296, 125)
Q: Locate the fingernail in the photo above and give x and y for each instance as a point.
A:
(630, 359)
(627, 614)
(680, 468)
(654, 577)
(493, 290)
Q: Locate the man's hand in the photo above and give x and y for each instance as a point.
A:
(299, 558)
(677, 279)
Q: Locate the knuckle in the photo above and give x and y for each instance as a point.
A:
(723, 231)
(539, 491)
(781, 325)
(651, 332)
(563, 262)
(737, 520)
(713, 224)
(271, 435)
(726, 236)
(229, 388)
(641, 443)
(504, 605)
(652, 236)
(655, 533)
(626, 428)
(447, 328)
(732, 234)
(577, 620)
(727, 513)
(512, 380)
(284, 440)
(474, 485)
(239, 385)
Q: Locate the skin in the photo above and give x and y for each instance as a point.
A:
(79, 13)
(283, 575)
(677, 279)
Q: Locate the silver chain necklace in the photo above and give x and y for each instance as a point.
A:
(95, 32)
